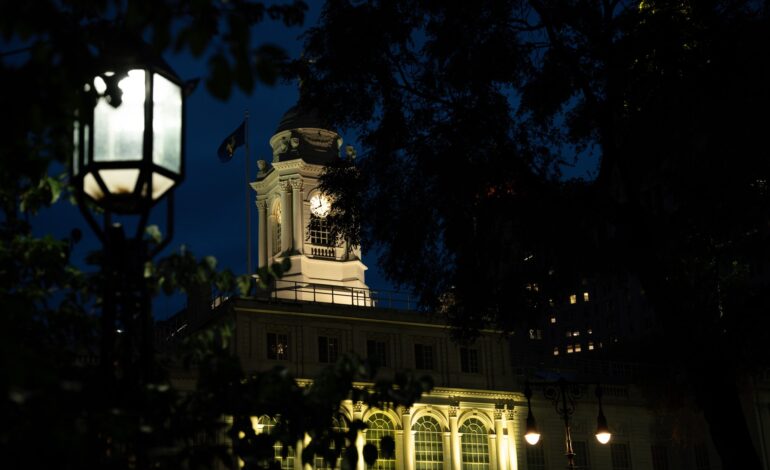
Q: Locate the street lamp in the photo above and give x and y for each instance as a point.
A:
(563, 395)
(127, 156)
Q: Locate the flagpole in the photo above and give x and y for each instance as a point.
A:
(248, 212)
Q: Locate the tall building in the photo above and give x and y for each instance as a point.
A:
(476, 415)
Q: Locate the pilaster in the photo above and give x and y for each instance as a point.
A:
(296, 197)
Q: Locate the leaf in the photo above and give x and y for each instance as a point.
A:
(153, 231)
(370, 454)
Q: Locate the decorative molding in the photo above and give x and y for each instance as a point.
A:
(358, 406)
(262, 205)
(285, 185)
(498, 413)
(296, 184)
(453, 409)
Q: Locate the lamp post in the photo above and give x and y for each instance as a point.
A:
(563, 395)
(127, 156)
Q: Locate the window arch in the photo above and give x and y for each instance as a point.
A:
(474, 445)
(379, 426)
(338, 425)
(428, 444)
(266, 424)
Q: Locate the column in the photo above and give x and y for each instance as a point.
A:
(408, 454)
(455, 439)
(502, 452)
(262, 234)
(399, 438)
(513, 440)
(286, 226)
(296, 209)
(493, 451)
(358, 414)
(448, 450)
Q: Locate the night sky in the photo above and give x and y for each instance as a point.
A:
(210, 203)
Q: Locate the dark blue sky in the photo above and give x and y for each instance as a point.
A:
(210, 203)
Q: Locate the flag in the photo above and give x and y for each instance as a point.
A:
(233, 141)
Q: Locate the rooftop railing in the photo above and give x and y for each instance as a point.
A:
(342, 295)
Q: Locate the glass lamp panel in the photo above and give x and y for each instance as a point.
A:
(119, 132)
(167, 124)
(121, 181)
(160, 184)
(92, 188)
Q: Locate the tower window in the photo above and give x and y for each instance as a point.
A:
(573, 299)
(319, 231)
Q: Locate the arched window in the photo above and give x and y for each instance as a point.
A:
(475, 445)
(379, 426)
(265, 424)
(276, 216)
(339, 426)
(428, 444)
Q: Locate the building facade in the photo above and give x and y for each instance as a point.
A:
(475, 417)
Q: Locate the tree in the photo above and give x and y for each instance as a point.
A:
(62, 404)
(467, 114)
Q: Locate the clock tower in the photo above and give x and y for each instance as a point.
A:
(288, 199)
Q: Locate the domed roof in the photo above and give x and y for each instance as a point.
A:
(298, 117)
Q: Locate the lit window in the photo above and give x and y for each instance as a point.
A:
(577, 347)
(428, 444)
(590, 345)
(585, 297)
(556, 351)
(590, 331)
(570, 349)
(576, 333)
(573, 299)
(550, 302)
(569, 334)
(278, 346)
(474, 445)
(379, 426)
(553, 320)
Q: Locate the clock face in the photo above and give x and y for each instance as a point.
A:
(320, 205)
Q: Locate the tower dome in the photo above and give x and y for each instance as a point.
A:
(303, 133)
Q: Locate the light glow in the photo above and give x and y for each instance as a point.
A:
(603, 437)
(532, 437)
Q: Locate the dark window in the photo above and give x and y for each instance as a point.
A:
(328, 349)
(620, 458)
(535, 457)
(423, 356)
(469, 360)
(278, 346)
(376, 352)
(581, 454)
(659, 457)
(702, 458)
